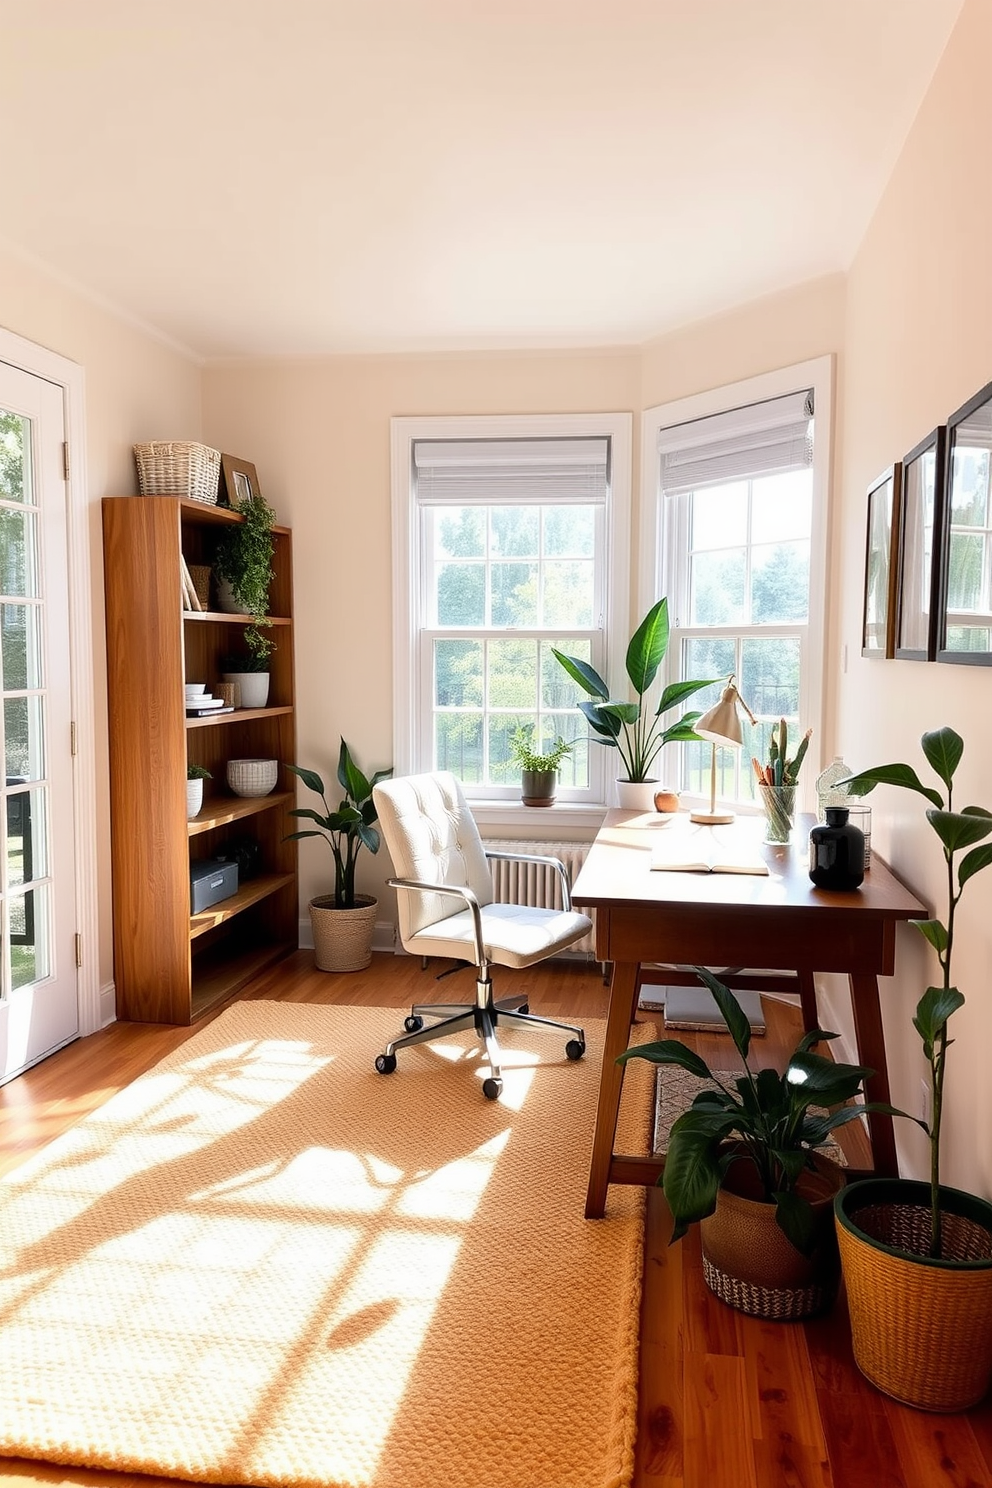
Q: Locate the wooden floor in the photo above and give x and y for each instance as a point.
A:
(726, 1401)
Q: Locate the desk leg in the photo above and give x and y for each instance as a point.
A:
(807, 1000)
(623, 993)
(871, 1051)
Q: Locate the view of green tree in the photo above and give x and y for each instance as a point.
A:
(780, 583)
(13, 430)
(14, 619)
(717, 586)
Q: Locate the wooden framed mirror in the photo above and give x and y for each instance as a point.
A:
(965, 629)
(917, 607)
(878, 626)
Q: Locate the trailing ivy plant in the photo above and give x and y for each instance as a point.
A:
(244, 556)
(958, 831)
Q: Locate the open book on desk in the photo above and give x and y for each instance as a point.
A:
(700, 854)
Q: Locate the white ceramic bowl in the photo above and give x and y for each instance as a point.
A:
(252, 777)
(194, 689)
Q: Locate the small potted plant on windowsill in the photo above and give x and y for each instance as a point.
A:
(631, 728)
(343, 923)
(538, 772)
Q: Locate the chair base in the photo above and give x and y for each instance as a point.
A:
(484, 1016)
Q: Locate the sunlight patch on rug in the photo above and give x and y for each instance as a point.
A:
(263, 1263)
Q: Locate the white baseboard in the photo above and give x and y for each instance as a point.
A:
(107, 1005)
(383, 936)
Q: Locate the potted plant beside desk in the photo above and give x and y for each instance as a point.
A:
(917, 1256)
(744, 1160)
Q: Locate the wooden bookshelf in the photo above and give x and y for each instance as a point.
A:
(171, 966)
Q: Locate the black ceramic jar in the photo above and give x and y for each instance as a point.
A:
(836, 852)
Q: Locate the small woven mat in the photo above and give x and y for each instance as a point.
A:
(263, 1263)
(675, 1090)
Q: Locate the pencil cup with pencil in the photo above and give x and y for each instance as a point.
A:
(777, 781)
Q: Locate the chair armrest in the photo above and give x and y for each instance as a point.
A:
(512, 857)
(456, 891)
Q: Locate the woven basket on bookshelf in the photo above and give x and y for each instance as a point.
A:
(178, 468)
(200, 574)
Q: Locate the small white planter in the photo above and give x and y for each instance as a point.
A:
(254, 687)
(636, 795)
(194, 798)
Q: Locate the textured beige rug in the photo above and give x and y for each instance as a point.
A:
(264, 1263)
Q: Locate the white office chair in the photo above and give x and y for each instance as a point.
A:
(439, 857)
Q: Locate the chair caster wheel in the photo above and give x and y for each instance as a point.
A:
(385, 1063)
(492, 1089)
(575, 1048)
(414, 1023)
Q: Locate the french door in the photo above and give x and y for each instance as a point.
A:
(38, 976)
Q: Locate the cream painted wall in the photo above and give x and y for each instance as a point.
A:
(136, 388)
(318, 434)
(918, 344)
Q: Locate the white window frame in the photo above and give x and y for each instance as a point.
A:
(409, 681)
(659, 535)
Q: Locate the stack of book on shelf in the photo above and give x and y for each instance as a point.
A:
(203, 704)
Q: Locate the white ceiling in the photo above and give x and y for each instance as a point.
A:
(300, 177)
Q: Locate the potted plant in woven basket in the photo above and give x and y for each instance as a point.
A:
(917, 1256)
(633, 729)
(744, 1160)
(343, 922)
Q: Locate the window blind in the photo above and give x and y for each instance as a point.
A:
(472, 472)
(765, 438)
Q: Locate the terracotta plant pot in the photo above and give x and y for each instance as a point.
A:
(749, 1263)
(921, 1328)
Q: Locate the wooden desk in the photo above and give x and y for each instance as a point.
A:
(779, 922)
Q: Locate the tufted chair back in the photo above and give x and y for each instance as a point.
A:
(431, 835)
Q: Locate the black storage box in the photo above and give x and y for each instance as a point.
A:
(210, 881)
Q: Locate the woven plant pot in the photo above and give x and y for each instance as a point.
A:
(921, 1328)
(750, 1264)
(342, 938)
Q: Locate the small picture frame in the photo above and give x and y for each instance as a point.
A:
(965, 631)
(878, 627)
(917, 603)
(240, 480)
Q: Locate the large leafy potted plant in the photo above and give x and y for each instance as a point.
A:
(343, 922)
(917, 1256)
(743, 1160)
(633, 728)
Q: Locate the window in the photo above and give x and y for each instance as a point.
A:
(504, 531)
(735, 529)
